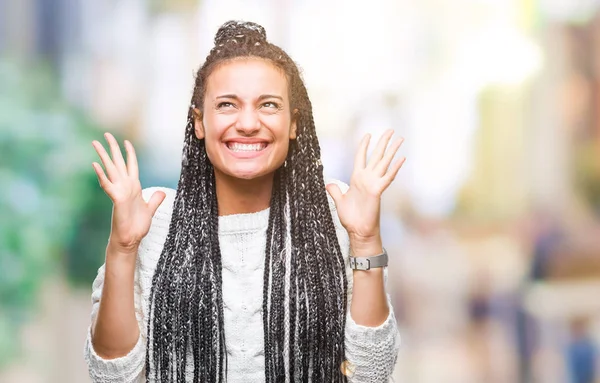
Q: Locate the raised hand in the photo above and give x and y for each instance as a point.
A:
(132, 215)
(359, 208)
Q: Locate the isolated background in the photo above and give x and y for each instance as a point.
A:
(492, 225)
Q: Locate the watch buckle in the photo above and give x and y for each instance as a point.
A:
(363, 264)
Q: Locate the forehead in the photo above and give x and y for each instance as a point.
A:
(246, 77)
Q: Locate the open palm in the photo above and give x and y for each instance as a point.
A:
(132, 215)
(359, 208)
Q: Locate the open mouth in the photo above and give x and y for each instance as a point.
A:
(243, 148)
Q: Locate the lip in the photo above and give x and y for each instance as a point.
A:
(243, 140)
(247, 141)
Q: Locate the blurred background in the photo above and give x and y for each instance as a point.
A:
(493, 224)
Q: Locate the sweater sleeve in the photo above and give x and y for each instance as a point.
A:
(371, 352)
(131, 367)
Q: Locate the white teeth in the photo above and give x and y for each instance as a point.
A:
(238, 147)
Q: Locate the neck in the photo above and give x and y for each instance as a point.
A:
(240, 196)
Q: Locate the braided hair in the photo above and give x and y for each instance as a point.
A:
(304, 291)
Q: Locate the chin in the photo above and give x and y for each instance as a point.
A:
(247, 174)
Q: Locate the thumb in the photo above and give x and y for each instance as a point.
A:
(335, 192)
(155, 201)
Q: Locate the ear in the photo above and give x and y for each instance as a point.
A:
(293, 127)
(198, 125)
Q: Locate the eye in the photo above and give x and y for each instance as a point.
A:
(271, 105)
(225, 104)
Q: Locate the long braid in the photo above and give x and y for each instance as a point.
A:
(304, 291)
(277, 282)
(269, 368)
(184, 307)
(324, 230)
(321, 262)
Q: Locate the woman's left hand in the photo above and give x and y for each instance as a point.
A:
(359, 208)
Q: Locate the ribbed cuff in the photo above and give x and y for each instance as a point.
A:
(372, 351)
(125, 369)
(365, 335)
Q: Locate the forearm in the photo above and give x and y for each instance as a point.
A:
(369, 305)
(371, 339)
(115, 330)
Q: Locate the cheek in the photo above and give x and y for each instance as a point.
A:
(280, 126)
(212, 135)
(214, 129)
(215, 125)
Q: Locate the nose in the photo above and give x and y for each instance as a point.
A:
(248, 122)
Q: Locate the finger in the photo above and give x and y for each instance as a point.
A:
(361, 154)
(132, 164)
(102, 179)
(155, 201)
(391, 174)
(380, 148)
(111, 170)
(334, 192)
(384, 164)
(115, 151)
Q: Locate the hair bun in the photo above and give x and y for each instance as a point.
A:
(240, 31)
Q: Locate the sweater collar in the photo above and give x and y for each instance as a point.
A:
(236, 223)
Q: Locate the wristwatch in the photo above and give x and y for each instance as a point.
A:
(367, 263)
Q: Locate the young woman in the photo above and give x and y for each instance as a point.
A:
(253, 270)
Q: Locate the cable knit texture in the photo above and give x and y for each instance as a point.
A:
(242, 237)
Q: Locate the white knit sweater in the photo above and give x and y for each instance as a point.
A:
(372, 350)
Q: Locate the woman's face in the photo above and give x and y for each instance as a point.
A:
(246, 120)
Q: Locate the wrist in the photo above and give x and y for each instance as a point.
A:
(361, 246)
(119, 254)
(116, 246)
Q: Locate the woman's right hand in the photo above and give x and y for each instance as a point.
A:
(132, 215)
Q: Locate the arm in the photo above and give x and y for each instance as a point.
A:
(115, 350)
(115, 329)
(110, 359)
(369, 305)
(372, 338)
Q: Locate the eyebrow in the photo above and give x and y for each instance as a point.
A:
(262, 97)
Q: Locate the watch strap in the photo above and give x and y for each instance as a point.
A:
(367, 263)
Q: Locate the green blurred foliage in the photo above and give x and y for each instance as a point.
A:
(54, 218)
